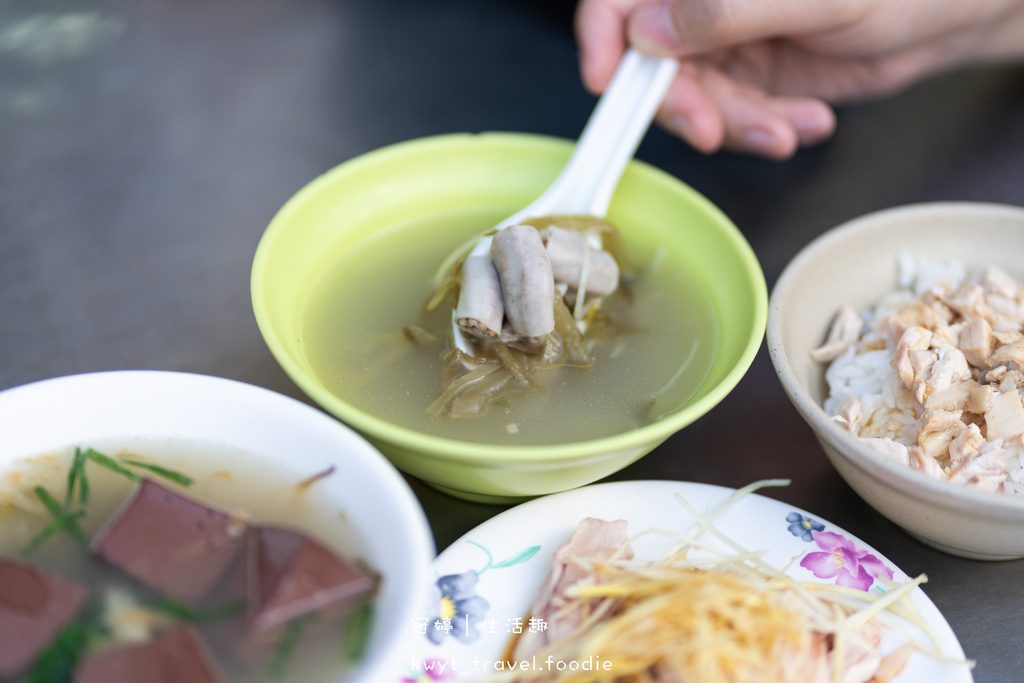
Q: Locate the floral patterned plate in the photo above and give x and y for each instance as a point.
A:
(485, 582)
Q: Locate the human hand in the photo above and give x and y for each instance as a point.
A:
(758, 76)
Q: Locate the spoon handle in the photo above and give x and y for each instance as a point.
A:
(608, 141)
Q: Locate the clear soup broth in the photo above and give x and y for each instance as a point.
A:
(231, 480)
(354, 342)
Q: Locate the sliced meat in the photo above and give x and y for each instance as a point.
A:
(965, 445)
(34, 607)
(1005, 420)
(593, 540)
(979, 401)
(849, 414)
(171, 543)
(913, 339)
(844, 332)
(954, 397)
(938, 429)
(174, 656)
(984, 469)
(1012, 352)
(968, 300)
(892, 450)
(997, 282)
(925, 463)
(291, 575)
(976, 341)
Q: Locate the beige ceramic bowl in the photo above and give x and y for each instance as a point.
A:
(855, 263)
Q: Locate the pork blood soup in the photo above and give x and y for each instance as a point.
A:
(270, 545)
(372, 340)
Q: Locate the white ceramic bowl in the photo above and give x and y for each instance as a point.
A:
(856, 263)
(252, 427)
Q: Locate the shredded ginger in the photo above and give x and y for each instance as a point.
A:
(701, 614)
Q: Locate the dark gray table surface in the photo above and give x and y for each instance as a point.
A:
(145, 145)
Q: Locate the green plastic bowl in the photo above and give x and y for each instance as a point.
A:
(506, 171)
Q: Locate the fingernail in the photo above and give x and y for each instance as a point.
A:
(682, 127)
(760, 141)
(813, 128)
(651, 30)
(688, 131)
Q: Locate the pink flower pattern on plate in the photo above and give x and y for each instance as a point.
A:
(841, 559)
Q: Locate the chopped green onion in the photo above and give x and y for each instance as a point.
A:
(63, 517)
(51, 505)
(67, 519)
(176, 477)
(283, 652)
(186, 613)
(58, 660)
(357, 632)
(56, 663)
(50, 529)
(111, 464)
(77, 475)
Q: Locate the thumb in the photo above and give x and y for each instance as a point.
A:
(681, 28)
(651, 30)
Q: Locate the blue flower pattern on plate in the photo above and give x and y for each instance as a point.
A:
(802, 527)
(460, 608)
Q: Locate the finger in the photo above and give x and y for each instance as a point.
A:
(690, 113)
(601, 36)
(751, 125)
(681, 28)
(758, 123)
(813, 120)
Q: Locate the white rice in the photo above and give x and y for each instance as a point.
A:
(864, 371)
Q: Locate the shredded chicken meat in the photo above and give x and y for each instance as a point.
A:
(957, 351)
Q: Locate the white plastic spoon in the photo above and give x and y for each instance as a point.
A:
(608, 141)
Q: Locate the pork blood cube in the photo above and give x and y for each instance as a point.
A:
(34, 607)
(174, 545)
(291, 575)
(174, 656)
